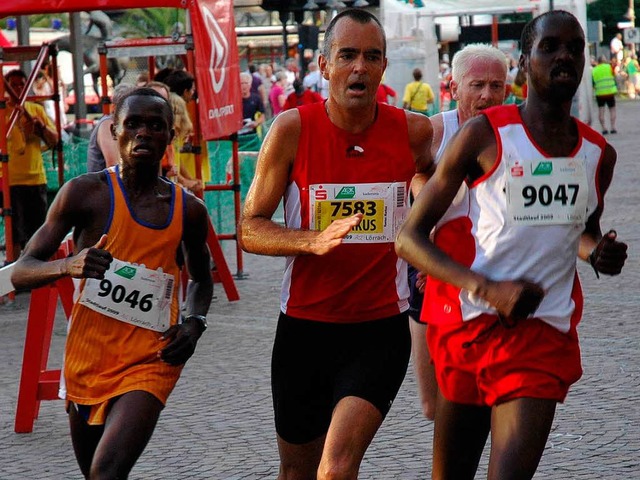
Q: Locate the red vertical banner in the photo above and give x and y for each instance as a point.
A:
(217, 67)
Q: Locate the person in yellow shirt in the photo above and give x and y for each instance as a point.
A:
(27, 179)
(418, 95)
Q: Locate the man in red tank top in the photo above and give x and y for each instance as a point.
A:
(122, 365)
(343, 167)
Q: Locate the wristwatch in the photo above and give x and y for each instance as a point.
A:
(201, 319)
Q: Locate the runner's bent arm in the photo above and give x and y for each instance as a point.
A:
(197, 257)
(69, 209)
(472, 147)
(258, 233)
(609, 255)
(183, 338)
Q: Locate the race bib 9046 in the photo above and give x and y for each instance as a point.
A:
(551, 191)
(383, 206)
(132, 294)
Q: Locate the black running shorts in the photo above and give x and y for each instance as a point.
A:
(316, 364)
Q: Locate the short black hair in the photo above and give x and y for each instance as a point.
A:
(162, 75)
(15, 73)
(357, 15)
(179, 81)
(530, 29)
(142, 92)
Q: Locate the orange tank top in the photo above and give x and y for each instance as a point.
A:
(105, 357)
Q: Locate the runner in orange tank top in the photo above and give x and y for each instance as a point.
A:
(127, 344)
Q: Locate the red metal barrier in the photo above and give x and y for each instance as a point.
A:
(36, 382)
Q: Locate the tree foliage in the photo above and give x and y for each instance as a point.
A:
(149, 22)
(610, 12)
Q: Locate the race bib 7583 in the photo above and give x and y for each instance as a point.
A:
(383, 206)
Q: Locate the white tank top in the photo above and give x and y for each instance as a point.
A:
(460, 205)
(542, 253)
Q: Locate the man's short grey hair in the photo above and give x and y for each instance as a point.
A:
(463, 59)
(246, 76)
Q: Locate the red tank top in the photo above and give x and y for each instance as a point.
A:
(357, 281)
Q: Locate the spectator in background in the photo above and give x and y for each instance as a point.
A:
(102, 151)
(43, 86)
(519, 87)
(252, 108)
(27, 176)
(268, 79)
(418, 95)
(617, 47)
(301, 96)
(182, 83)
(512, 68)
(256, 81)
(292, 71)
(324, 88)
(632, 68)
(604, 84)
(313, 79)
(183, 128)
(142, 79)
(446, 100)
(161, 75)
(386, 94)
(277, 96)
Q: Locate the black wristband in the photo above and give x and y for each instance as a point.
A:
(592, 261)
(201, 319)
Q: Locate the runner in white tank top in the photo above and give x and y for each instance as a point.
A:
(536, 202)
(478, 82)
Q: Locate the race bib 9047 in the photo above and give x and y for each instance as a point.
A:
(132, 294)
(382, 205)
(551, 191)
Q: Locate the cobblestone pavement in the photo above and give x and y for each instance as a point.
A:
(218, 422)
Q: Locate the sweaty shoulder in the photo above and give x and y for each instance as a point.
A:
(473, 148)
(286, 123)
(420, 139)
(281, 142)
(87, 187)
(475, 142)
(196, 210)
(420, 128)
(88, 196)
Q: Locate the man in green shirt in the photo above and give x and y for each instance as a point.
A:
(604, 84)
